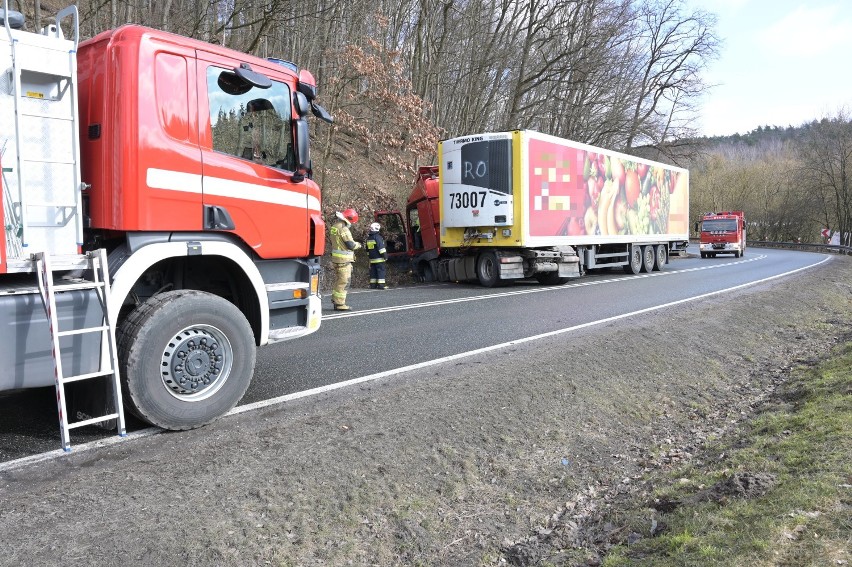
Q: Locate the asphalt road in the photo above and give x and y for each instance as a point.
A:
(415, 325)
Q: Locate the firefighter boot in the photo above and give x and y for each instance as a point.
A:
(341, 307)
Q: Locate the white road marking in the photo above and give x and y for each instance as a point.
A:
(76, 449)
(33, 459)
(389, 309)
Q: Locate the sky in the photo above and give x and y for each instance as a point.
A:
(781, 63)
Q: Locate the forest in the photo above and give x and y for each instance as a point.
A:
(626, 75)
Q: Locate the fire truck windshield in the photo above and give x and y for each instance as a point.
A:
(719, 225)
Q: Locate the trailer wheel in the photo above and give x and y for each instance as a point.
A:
(648, 256)
(186, 357)
(661, 256)
(634, 264)
(488, 269)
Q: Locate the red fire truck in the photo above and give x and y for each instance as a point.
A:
(160, 220)
(722, 233)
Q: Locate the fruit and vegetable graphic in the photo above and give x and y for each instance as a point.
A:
(625, 196)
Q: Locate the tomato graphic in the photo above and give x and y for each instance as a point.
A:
(654, 202)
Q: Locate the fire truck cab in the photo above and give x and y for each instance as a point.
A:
(160, 217)
(722, 233)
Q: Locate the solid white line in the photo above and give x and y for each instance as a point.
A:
(76, 449)
(11, 465)
(389, 309)
(428, 363)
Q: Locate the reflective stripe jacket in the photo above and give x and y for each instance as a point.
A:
(343, 246)
(376, 248)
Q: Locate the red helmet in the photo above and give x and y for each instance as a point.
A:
(350, 214)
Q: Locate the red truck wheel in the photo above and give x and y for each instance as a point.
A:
(426, 272)
(186, 357)
(488, 269)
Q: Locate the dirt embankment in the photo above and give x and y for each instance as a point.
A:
(476, 462)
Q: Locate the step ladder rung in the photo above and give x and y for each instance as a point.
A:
(50, 204)
(92, 421)
(79, 377)
(48, 116)
(75, 286)
(43, 160)
(29, 68)
(82, 331)
(25, 66)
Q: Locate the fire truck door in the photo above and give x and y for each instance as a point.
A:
(248, 160)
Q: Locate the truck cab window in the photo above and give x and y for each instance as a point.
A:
(414, 223)
(719, 225)
(394, 232)
(248, 122)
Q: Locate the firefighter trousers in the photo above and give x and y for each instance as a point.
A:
(377, 274)
(342, 277)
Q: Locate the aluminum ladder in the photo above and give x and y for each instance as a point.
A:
(49, 289)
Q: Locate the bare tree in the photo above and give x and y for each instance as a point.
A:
(826, 169)
(671, 49)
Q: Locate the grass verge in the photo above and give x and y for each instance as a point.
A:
(778, 494)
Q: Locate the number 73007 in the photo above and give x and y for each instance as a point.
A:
(467, 200)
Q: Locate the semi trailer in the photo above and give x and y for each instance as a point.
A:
(501, 207)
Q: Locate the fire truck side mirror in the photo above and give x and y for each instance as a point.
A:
(255, 79)
(300, 101)
(321, 113)
(696, 227)
(303, 148)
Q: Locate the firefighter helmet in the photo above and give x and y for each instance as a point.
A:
(350, 215)
(375, 227)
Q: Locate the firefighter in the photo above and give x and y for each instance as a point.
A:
(378, 256)
(343, 248)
